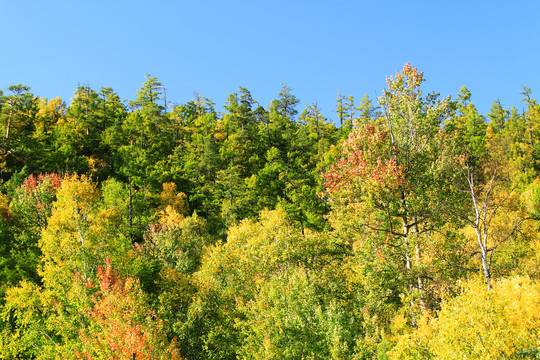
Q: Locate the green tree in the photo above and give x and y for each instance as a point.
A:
(289, 178)
(531, 117)
(241, 155)
(294, 315)
(28, 214)
(346, 112)
(48, 155)
(17, 114)
(196, 158)
(142, 143)
(469, 127)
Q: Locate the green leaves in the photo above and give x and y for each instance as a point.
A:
(291, 317)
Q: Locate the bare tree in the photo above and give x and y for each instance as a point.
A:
(488, 200)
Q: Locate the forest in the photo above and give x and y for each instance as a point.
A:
(407, 228)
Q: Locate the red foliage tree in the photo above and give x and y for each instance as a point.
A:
(121, 326)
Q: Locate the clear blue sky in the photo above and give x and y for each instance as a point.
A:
(316, 47)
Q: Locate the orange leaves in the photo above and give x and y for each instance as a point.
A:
(108, 279)
(368, 159)
(32, 182)
(38, 192)
(409, 78)
(121, 326)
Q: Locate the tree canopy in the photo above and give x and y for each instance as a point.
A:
(407, 228)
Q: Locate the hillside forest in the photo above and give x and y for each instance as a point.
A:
(405, 229)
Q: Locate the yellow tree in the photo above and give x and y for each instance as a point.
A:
(501, 323)
(46, 319)
(300, 280)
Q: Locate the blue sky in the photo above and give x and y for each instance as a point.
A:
(316, 47)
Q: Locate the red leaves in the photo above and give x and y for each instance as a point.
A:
(31, 184)
(121, 326)
(33, 200)
(407, 80)
(41, 189)
(117, 320)
(108, 279)
(368, 163)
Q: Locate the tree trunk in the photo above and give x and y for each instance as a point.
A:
(408, 267)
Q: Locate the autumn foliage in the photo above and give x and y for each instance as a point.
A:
(154, 231)
(369, 162)
(119, 325)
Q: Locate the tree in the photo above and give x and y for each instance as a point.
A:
(233, 272)
(479, 324)
(25, 218)
(492, 193)
(196, 160)
(69, 135)
(149, 95)
(345, 110)
(165, 262)
(46, 157)
(17, 114)
(367, 112)
(120, 326)
(44, 319)
(295, 315)
(531, 117)
(114, 113)
(286, 103)
(241, 156)
(396, 181)
(468, 126)
(143, 145)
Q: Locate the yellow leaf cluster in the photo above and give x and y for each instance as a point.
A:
(479, 324)
(174, 203)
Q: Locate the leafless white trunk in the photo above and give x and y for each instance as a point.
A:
(485, 208)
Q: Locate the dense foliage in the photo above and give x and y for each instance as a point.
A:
(143, 230)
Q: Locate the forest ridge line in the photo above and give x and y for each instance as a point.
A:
(142, 231)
